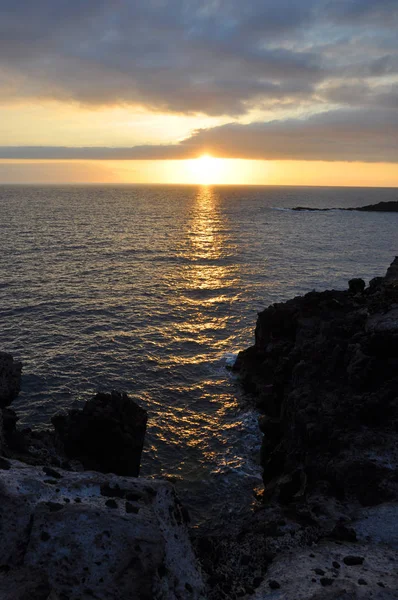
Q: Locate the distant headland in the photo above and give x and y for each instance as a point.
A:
(379, 207)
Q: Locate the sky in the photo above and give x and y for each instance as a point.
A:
(211, 91)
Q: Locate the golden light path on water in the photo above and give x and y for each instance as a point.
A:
(207, 276)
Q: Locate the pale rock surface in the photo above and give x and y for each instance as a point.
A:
(88, 535)
(320, 573)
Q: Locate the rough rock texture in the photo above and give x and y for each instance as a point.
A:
(107, 435)
(324, 374)
(86, 535)
(77, 535)
(10, 379)
(324, 370)
(320, 572)
(2, 443)
(25, 584)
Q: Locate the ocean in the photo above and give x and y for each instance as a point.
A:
(153, 290)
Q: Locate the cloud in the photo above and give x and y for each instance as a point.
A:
(219, 57)
(345, 135)
(375, 11)
(171, 152)
(341, 135)
(360, 94)
(55, 173)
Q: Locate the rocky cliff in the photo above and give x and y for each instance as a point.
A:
(324, 373)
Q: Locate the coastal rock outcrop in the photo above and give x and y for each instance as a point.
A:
(10, 379)
(391, 206)
(87, 535)
(106, 435)
(75, 534)
(324, 374)
(324, 370)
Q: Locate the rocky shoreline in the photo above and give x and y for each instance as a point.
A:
(76, 521)
(391, 206)
(323, 373)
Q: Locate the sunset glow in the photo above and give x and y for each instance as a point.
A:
(223, 171)
(272, 93)
(207, 170)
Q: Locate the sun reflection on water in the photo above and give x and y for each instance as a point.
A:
(208, 247)
(202, 412)
(207, 279)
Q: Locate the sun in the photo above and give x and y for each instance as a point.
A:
(206, 170)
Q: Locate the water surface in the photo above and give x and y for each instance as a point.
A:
(152, 289)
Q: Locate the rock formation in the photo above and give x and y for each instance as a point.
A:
(70, 535)
(86, 535)
(324, 373)
(379, 207)
(10, 379)
(324, 370)
(107, 435)
(391, 206)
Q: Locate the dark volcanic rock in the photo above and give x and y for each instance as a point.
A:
(309, 208)
(379, 207)
(353, 560)
(324, 370)
(10, 379)
(356, 286)
(107, 435)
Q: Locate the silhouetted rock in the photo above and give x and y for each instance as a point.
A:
(309, 208)
(356, 286)
(379, 207)
(10, 379)
(391, 206)
(107, 435)
(324, 370)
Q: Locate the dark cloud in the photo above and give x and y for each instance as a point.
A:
(360, 11)
(361, 94)
(219, 57)
(347, 135)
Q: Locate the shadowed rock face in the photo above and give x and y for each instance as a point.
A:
(10, 379)
(107, 435)
(324, 371)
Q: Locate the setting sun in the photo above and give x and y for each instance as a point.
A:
(206, 170)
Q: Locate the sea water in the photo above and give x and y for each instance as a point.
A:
(153, 290)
